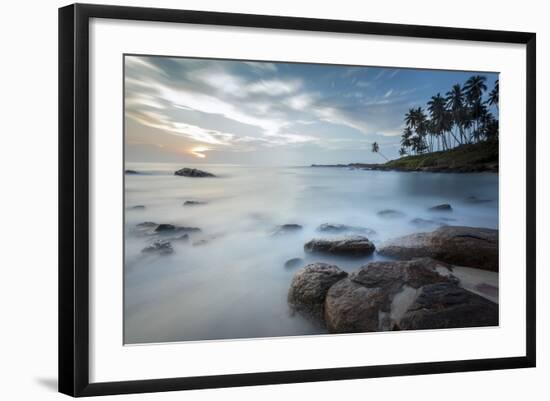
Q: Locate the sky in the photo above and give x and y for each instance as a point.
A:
(270, 113)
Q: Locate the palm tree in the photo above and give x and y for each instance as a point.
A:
(493, 95)
(474, 88)
(402, 151)
(440, 117)
(455, 104)
(376, 149)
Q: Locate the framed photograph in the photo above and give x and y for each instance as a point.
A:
(250, 199)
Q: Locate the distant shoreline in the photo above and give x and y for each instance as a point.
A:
(471, 158)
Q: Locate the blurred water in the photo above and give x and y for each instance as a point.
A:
(235, 286)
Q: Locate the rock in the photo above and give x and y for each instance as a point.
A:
(170, 229)
(445, 305)
(461, 246)
(130, 172)
(310, 285)
(206, 240)
(390, 213)
(287, 229)
(146, 224)
(419, 222)
(352, 308)
(445, 207)
(193, 172)
(347, 246)
(194, 203)
(161, 247)
(294, 262)
(182, 238)
(371, 298)
(334, 228)
(137, 207)
(475, 199)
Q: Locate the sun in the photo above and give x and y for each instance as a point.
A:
(198, 151)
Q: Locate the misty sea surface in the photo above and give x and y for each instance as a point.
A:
(235, 284)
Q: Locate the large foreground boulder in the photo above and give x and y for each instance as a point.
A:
(461, 246)
(193, 172)
(365, 300)
(309, 287)
(355, 246)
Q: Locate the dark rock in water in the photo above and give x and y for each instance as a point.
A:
(130, 172)
(310, 285)
(137, 207)
(335, 228)
(170, 229)
(161, 247)
(194, 203)
(425, 223)
(165, 227)
(206, 240)
(182, 238)
(347, 246)
(445, 305)
(475, 199)
(445, 207)
(390, 213)
(193, 172)
(287, 228)
(146, 225)
(294, 262)
(461, 246)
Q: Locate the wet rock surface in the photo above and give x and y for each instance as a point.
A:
(462, 246)
(355, 246)
(287, 229)
(310, 285)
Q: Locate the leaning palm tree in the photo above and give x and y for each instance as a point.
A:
(376, 149)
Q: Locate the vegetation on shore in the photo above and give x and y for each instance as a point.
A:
(467, 158)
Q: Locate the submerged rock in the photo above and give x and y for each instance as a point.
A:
(390, 213)
(444, 207)
(294, 262)
(425, 223)
(194, 203)
(475, 199)
(170, 229)
(335, 228)
(137, 207)
(130, 172)
(310, 285)
(287, 229)
(347, 246)
(193, 172)
(161, 247)
(462, 246)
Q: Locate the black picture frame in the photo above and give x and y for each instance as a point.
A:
(74, 198)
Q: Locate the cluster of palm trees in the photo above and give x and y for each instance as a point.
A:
(461, 117)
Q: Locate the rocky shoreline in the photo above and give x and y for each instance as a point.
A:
(478, 168)
(420, 290)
